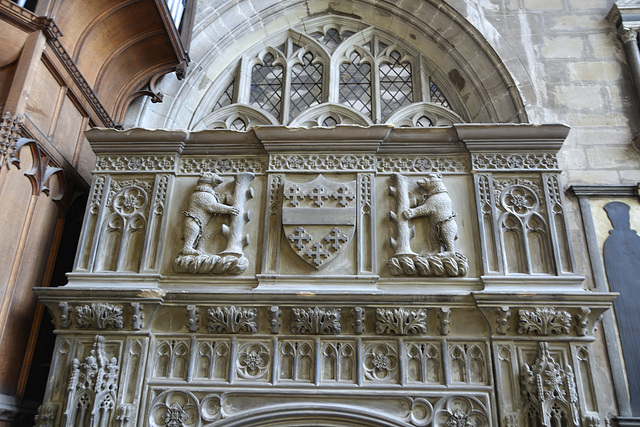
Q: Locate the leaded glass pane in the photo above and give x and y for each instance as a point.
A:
(329, 122)
(355, 84)
(266, 86)
(424, 122)
(306, 85)
(238, 124)
(331, 40)
(395, 84)
(226, 98)
(437, 97)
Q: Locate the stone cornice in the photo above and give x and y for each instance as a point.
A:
(581, 190)
(377, 139)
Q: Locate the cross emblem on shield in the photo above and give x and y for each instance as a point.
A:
(318, 218)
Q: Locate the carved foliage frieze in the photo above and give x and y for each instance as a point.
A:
(316, 321)
(231, 165)
(529, 161)
(401, 321)
(135, 163)
(422, 165)
(230, 320)
(321, 162)
(544, 321)
(99, 316)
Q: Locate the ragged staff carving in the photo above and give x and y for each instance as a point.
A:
(204, 203)
(437, 207)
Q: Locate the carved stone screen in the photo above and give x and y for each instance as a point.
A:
(373, 276)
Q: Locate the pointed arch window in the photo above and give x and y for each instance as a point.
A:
(349, 73)
(396, 87)
(355, 84)
(306, 84)
(266, 86)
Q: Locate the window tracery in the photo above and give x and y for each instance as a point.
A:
(328, 75)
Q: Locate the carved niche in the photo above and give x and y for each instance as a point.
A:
(92, 388)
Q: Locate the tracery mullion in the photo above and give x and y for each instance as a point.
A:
(285, 99)
(376, 108)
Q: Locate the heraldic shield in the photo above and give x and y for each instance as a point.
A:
(319, 218)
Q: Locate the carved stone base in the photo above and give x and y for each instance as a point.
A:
(444, 264)
(208, 263)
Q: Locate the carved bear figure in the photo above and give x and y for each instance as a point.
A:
(438, 208)
(203, 204)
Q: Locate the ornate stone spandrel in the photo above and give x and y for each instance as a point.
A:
(460, 411)
(174, 408)
(437, 207)
(319, 219)
(204, 203)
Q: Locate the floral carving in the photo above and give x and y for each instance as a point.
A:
(460, 419)
(529, 161)
(135, 164)
(230, 320)
(417, 165)
(253, 361)
(316, 321)
(174, 408)
(544, 321)
(380, 362)
(9, 134)
(401, 321)
(99, 316)
(197, 165)
(321, 162)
